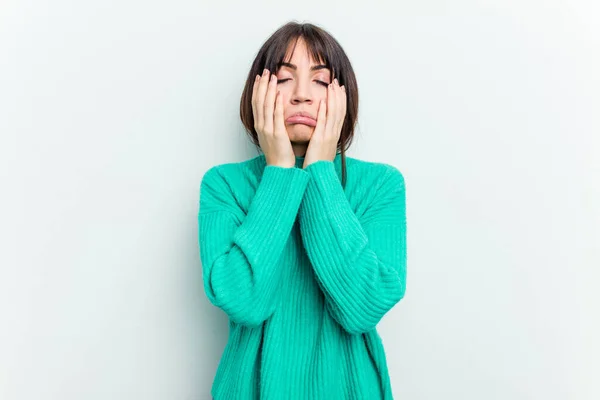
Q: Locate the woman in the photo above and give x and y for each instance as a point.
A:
(303, 261)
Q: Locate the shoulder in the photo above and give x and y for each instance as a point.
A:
(232, 183)
(377, 175)
(232, 172)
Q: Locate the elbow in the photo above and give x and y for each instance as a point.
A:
(248, 313)
(364, 318)
(354, 329)
(250, 319)
(243, 304)
(354, 322)
(358, 326)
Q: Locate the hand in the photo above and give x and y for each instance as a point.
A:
(269, 124)
(330, 119)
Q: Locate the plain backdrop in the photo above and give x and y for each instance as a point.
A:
(112, 111)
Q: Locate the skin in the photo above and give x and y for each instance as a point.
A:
(302, 89)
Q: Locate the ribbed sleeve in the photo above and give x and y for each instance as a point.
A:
(240, 251)
(360, 263)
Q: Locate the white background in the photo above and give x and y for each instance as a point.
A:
(111, 112)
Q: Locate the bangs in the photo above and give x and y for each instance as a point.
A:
(283, 51)
(315, 49)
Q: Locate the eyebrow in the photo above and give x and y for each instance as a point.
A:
(294, 67)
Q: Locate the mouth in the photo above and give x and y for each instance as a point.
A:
(300, 119)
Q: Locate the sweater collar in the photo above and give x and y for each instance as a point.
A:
(337, 163)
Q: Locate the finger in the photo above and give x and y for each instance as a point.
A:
(254, 91)
(338, 106)
(269, 103)
(278, 115)
(331, 110)
(341, 102)
(321, 118)
(260, 98)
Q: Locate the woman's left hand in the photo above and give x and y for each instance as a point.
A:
(330, 119)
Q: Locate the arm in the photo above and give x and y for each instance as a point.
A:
(240, 253)
(360, 263)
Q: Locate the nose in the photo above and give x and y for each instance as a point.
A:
(302, 93)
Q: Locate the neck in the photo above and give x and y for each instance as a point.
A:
(299, 149)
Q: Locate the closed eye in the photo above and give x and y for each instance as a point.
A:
(318, 81)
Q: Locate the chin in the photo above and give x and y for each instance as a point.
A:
(300, 132)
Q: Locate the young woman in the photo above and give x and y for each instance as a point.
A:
(304, 260)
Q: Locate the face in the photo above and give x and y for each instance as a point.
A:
(302, 84)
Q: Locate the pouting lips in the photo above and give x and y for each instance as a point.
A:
(301, 120)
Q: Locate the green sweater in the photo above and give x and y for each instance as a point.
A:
(304, 270)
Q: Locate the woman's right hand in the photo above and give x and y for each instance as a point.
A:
(267, 108)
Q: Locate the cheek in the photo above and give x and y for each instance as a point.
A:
(284, 97)
(321, 97)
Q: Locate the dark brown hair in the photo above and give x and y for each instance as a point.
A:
(323, 48)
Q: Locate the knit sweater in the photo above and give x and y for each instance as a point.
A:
(304, 269)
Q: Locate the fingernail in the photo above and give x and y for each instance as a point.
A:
(273, 77)
(336, 81)
(265, 72)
